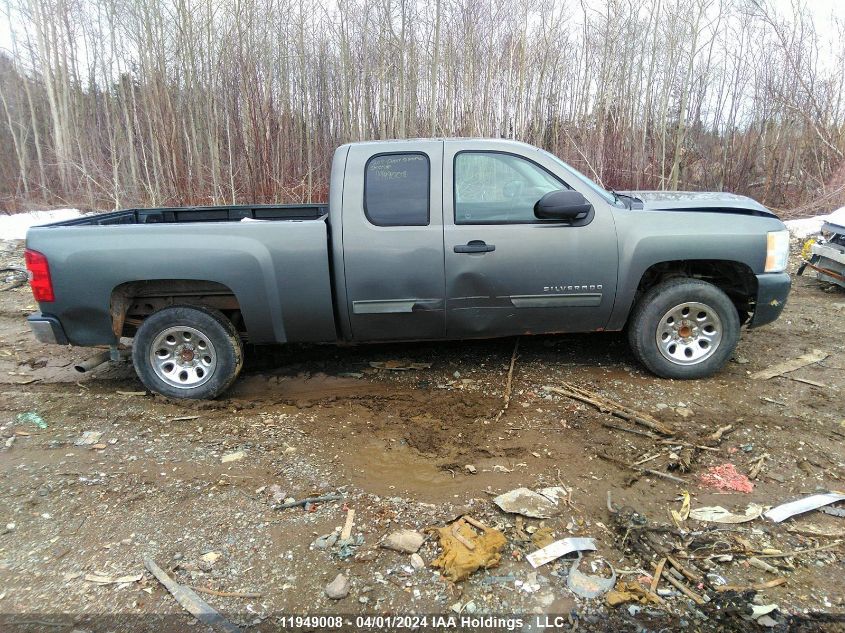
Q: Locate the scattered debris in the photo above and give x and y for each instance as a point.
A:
(628, 591)
(760, 614)
(326, 541)
(232, 457)
(589, 586)
(506, 397)
(399, 365)
(680, 460)
(786, 510)
(309, 500)
(210, 557)
(277, 493)
(471, 469)
(726, 477)
(190, 601)
(718, 514)
(616, 427)
(808, 550)
(101, 579)
(560, 548)
(608, 406)
(417, 561)
(717, 435)
(760, 586)
(813, 530)
(88, 438)
(757, 466)
(834, 511)
(807, 381)
(648, 471)
(684, 412)
(31, 417)
(543, 537)
(404, 541)
(679, 516)
(762, 565)
(680, 586)
(346, 532)
(338, 588)
(543, 504)
(785, 367)
(458, 562)
(227, 594)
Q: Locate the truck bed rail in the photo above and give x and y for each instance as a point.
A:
(173, 215)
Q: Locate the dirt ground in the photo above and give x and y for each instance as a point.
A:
(395, 445)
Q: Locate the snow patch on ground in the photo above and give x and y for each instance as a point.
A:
(14, 227)
(805, 227)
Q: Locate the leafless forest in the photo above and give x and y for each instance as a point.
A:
(113, 103)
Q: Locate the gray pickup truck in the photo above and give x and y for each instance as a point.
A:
(421, 240)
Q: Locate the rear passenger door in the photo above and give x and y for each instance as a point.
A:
(393, 241)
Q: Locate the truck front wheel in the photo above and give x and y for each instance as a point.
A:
(684, 328)
(187, 352)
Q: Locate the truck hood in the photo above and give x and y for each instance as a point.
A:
(703, 201)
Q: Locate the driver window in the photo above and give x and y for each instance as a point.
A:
(495, 188)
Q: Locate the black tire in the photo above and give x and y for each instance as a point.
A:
(210, 333)
(659, 306)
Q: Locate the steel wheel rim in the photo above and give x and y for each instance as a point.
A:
(183, 357)
(689, 333)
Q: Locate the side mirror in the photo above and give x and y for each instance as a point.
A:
(566, 204)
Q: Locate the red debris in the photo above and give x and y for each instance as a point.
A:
(726, 477)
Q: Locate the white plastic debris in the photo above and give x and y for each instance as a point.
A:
(786, 510)
(589, 586)
(537, 505)
(560, 548)
(232, 457)
(718, 514)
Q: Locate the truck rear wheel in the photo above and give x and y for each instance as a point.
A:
(684, 328)
(187, 352)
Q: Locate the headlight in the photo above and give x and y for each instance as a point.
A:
(777, 251)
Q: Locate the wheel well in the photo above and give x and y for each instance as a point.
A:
(134, 301)
(735, 279)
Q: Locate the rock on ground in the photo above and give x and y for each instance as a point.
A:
(338, 588)
(405, 541)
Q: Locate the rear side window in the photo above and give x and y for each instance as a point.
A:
(396, 190)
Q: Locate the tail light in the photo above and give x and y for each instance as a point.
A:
(39, 276)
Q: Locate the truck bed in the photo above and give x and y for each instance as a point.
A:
(278, 271)
(183, 215)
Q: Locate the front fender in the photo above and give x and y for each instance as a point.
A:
(650, 238)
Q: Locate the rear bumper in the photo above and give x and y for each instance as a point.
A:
(772, 291)
(47, 329)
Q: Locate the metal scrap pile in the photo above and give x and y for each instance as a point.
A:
(826, 255)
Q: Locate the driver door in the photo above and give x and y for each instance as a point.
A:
(508, 272)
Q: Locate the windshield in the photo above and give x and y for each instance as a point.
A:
(586, 181)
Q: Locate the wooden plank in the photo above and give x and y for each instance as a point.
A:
(790, 365)
(347, 527)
